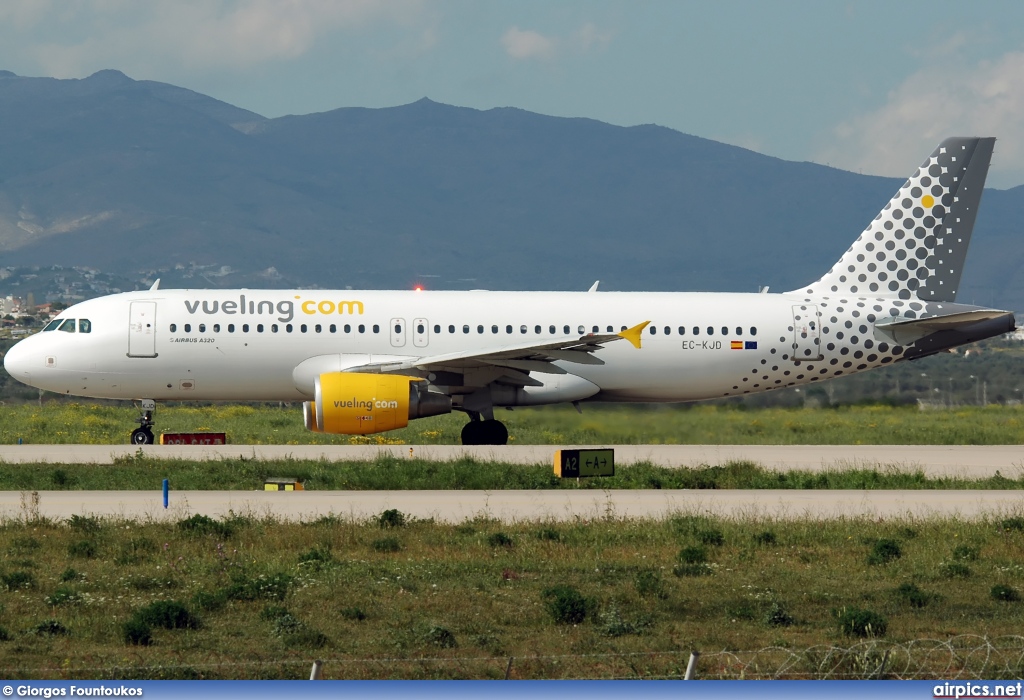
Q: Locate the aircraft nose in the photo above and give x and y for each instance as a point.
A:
(16, 362)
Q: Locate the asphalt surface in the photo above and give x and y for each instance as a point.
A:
(512, 506)
(971, 461)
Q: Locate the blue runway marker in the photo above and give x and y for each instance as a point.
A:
(166, 488)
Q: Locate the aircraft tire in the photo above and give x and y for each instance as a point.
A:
(485, 432)
(142, 436)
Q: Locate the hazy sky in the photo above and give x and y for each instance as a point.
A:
(865, 86)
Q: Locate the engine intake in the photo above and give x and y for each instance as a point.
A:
(353, 403)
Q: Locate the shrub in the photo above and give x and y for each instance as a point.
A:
(778, 616)
(5, 636)
(84, 523)
(136, 632)
(1006, 594)
(766, 538)
(854, 622)
(169, 614)
(262, 587)
(884, 551)
(69, 575)
(50, 628)
(692, 562)
(285, 624)
(199, 525)
(965, 552)
(499, 539)
(387, 545)
(913, 596)
(391, 518)
(209, 602)
(306, 638)
(82, 548)
(567, 605)
(440, 637)
(18, 580)
(1016, 523)
(954, 569)
(649, 583)
(316, 559)
(64, 596)
(353, 613)
(712, 537)
(614, 624)
(549, 534)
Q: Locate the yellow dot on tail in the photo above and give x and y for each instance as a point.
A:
(927, 201)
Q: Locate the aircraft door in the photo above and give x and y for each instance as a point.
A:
(142, 329)
(806, 333)
(398, 332)
(420, 332)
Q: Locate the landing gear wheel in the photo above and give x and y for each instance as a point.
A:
(142, 436)
(484, 432)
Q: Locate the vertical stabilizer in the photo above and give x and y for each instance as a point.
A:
(917, 245)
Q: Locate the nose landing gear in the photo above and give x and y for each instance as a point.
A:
(143, 435)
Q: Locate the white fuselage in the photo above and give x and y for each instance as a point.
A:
(245, 345)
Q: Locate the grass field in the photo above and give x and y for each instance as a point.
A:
(58, 422)
(388, 473)
(246, 598)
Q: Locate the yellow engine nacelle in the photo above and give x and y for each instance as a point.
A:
(353, 403)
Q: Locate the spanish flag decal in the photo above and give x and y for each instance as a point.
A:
(736, 345)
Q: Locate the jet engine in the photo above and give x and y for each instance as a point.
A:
(353, 403)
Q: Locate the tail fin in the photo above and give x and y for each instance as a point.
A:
(917, 245)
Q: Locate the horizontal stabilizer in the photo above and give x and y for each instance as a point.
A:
(906, 331)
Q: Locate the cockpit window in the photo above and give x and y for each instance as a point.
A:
(68, 326)
(84, 325)
(52, 325)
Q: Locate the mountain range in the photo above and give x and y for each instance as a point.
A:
(138, 178)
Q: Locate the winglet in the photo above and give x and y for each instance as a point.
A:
(633, 334)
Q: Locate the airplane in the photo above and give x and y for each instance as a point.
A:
(364, 362)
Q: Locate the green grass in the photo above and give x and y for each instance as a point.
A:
(387, 473)
(260, 599)
(59, 422)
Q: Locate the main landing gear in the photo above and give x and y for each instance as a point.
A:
(484, 432)
(143, 435)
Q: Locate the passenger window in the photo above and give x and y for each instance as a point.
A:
(739, 331)
(437, 328)
(725, 330)
(259, 327)
(68, 326)
(610, 329)
(566, 330)
(711, 330)
(420, 328)
(273, 327)
(451, 329)
(654, 330)
(202, 328)
(682, 330)
(668, 331)
(508, 329)
(188, 327)
(696, 330)
(596, 329)
(753, 331)
(174, 327)
(334, 328)
(231, 328)
(216, 328)
(52, 325)
(522, 329)
(479, 329)
(347, 328)
(581, 330)
(376, 328)
(465, 329)
(245, 327)
(303, 328)
(398, 328)
(536, 329)
(84, 325)
(287, 328)
(362, 328)
(318, 328)
(494, 329)
(551, 330)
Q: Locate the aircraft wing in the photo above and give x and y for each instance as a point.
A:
(906, 331)
(513, 362)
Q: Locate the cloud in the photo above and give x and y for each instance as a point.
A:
(216, 34)
(525, 44)
(943, 99)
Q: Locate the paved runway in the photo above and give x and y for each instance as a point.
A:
(510, 506)
(934, 460)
